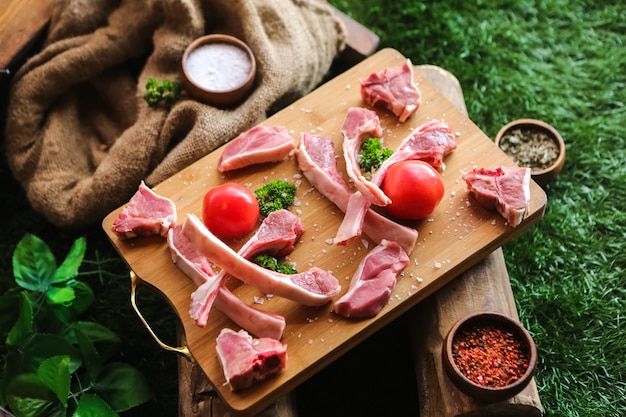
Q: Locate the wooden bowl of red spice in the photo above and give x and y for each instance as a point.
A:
(534, 144)
(489, 356)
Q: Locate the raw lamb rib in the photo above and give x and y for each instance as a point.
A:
(246, 360)
(373, 281)
(255, 146)
(195, 266)
(276, 236)
(359, 125)
(431, 142)
(505, 189)
(145, 214)
(394, 89)
(316, 160)
(314, 287)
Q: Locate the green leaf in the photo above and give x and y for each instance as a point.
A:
(34, 265)
(28, 396)
(71, 263)
(91, 359)
(55, 373)
(105, 340)
(12, 367)
(122, 386)
(10, 304)
(84, 297)
(43, 346)
(91, 405)
(60, 295)
(23, 327)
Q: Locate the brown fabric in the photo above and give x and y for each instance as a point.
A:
(79, 135)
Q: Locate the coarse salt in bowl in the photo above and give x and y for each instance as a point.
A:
(218, 70)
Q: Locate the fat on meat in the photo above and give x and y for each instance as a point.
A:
(431, 142)
(504, 189)
(359, 125)
(276, 236)
(317, 160)
(246, 361)
(394, 89)
(255, 146)
(145, 214)
(373, 281)
(210, 292)
(313, 287)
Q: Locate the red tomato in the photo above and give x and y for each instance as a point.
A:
(415, 189)
(230, 210)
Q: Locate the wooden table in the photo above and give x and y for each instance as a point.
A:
(485, 286)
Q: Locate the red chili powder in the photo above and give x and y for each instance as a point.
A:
(490, 355)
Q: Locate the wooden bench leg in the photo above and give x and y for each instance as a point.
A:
(485, 287)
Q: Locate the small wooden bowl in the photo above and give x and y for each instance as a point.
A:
(535, 144)
(219, 70)
(493, 324)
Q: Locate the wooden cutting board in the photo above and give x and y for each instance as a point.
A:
(454, 238)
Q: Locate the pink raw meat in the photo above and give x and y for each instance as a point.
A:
(394, 89)
(373, 281)
(277, 236)
(316, 160)
(313, 287)
(246, 360)
(359, 125)
(211, 292)
(255, 146)
(260, 323)
(431, 142)
(145, 214)
(504, 189)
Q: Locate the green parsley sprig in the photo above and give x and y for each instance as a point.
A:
(372, 154)
(166, 92)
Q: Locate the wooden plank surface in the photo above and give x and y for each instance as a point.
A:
(457, 236)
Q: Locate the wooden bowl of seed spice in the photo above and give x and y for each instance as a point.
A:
(534, 144)
(489, 356)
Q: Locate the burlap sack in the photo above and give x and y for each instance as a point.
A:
(79, 135)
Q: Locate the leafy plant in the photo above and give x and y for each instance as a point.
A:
(275, 195)
(166, 92)
(54, 364)
(373, 154)
(273, 264)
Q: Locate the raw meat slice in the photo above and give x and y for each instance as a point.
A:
(394, 89)
(195, 266)
(145, 214)
(186, 258)
(258, 145)
(431, 142)
(373, 281)
(504, 189)
(246, 360)
(258, 322)
(277, 236)
(317, 161)
(313, 287)
(359, 125)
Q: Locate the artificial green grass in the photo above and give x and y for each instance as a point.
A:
(559, 61)
(562, 62)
